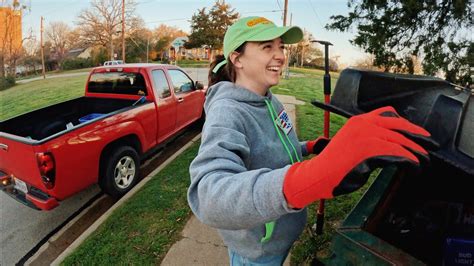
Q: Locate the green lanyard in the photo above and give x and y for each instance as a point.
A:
(274, 115)
(269, 227)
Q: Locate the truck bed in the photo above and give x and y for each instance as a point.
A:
(46, 122)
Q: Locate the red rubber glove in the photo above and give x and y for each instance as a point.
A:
(365, 142)
(317, 146)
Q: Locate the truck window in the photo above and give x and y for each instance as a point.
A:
(181, 82)
(117, 83)
(161, 84)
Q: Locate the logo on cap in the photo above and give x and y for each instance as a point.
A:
(256, 21)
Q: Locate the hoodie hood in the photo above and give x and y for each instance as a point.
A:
(231, 91)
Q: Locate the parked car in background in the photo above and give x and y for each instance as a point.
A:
(127, 112)
(113, 62)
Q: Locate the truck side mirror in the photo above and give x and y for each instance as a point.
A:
(198, 85)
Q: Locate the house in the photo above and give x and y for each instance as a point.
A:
(80, 53)
(178, 51)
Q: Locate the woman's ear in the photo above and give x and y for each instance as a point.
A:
(234, 58)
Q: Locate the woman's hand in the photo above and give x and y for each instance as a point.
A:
(365, 142)
(317, 146)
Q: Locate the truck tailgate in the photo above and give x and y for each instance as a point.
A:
(19, 159)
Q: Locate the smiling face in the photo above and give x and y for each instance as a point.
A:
(260, 65)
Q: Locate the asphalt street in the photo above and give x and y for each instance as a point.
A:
(22, 228)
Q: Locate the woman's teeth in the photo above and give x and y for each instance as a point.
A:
(275, 69)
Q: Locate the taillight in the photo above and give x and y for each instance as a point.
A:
(47, 168)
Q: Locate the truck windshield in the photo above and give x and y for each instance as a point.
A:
(117, 83)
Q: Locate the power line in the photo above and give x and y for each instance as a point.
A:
(181, 19)
(278, 3)
(316, 14)
(62, 6)
(145, 2)
(267, 11)
(166, 20)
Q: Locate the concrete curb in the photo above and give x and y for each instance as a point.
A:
(58, 235)
(107, 214)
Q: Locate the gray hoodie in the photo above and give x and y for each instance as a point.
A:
(237, 176)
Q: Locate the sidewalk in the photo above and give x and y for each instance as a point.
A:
(201, 244)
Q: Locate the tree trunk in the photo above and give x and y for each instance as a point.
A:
(2, 66)
(111, 48)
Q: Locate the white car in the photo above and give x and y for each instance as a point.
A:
(113, 62)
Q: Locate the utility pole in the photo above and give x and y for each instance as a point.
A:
(147, 44)
(123, 30)
(42, 48)
(287, 56)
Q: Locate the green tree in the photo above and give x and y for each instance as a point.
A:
(395, 31)
(208, 28)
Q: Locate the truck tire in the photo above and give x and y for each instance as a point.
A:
(120, 171)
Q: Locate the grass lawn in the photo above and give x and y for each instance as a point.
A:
(188, 63)
(142, 230)
(26, 97)
(55, 72)
(193, 63)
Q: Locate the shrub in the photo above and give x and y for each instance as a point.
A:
(7, 82)
(76, 63)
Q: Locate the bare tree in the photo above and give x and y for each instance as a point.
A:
(57, 33)
(100, 24)
(31, 57)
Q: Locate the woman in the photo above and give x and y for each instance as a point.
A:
(248, 179)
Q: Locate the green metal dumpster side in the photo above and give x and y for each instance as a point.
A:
(411, 217)
(354, 245)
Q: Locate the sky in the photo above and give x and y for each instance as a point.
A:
(311, 15)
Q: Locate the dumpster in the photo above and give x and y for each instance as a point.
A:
(407, 217)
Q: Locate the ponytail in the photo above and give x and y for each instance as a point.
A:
(226, 72)
(220, 75)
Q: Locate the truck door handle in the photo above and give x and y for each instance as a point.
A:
(180, 100)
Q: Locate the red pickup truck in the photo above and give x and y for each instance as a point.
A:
(127, 112)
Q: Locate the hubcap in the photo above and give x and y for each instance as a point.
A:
(124, 172)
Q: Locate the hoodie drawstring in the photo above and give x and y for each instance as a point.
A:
(269, 227)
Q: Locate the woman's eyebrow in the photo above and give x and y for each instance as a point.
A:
(264, 42)
(271, 42)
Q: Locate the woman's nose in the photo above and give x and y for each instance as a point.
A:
(279, 54)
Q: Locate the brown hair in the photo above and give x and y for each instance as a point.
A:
(226, 72)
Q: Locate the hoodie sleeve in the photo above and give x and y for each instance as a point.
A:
(223, 192)
(304, 148)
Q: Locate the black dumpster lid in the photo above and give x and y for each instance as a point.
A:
(444, 109)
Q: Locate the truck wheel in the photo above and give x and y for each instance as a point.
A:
(120, 172)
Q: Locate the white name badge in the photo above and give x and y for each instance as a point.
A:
(284, 122)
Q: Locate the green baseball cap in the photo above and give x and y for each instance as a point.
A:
(256, 29)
